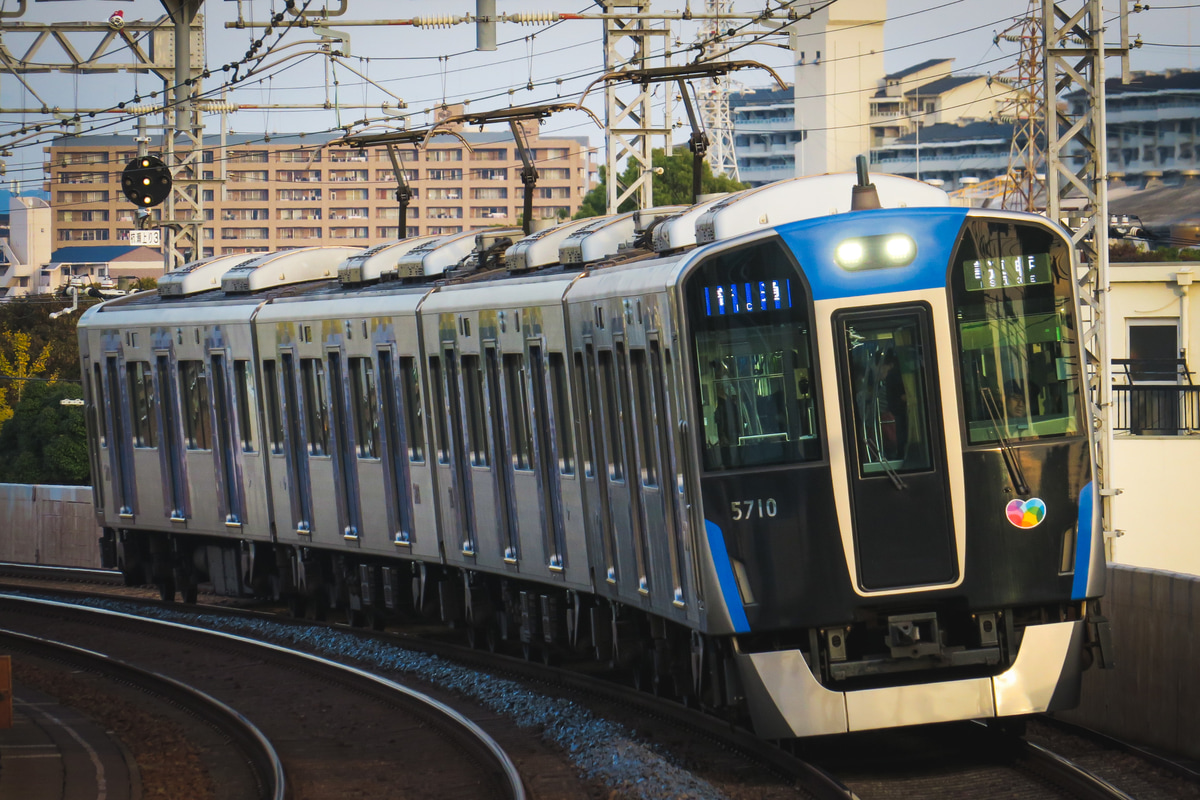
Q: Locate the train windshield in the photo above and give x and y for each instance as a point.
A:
(1016, 320)
(749, 316)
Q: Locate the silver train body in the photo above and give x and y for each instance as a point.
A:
(693, 467)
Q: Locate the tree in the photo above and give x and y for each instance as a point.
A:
(32, 316)
(45, 442)
(673, 186)
(20, 367)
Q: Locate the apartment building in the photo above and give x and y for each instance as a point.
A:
(297, 190)
(1153, 127)
(765, 134)
(950, 155)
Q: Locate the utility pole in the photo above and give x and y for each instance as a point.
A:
(628, 111)
(183, 140)
(1077, 164)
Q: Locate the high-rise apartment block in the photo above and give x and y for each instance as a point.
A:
(296, 190)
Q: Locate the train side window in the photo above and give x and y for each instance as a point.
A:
(312, 378)
(585, 425)
(98, 400)
(615, 446)
(562, 415)
(195, 405)
(365, 400)
(476, 424)
(441, 410)
(647, 439)
(518, 410)
(141, 398)
(274, 415)
(414, 414)
(244, 386)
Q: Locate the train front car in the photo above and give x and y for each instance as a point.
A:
(895, 468)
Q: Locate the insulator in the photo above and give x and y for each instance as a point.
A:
(437, 21)
(531, 17)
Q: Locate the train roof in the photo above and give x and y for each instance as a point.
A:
(433, 258)
(376, 262)
(607, 236)
(289, 266)
(805, 198)
(201, 276)
(540, 249)
(542, 288)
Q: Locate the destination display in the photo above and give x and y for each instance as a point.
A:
(1006, 271)
(747, 298)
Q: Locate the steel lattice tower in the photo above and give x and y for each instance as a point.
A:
(713, 101)
(1025, 190)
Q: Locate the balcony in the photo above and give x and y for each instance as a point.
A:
(1158, 398)
(1148, 410)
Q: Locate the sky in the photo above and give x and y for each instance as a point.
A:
(428, 66)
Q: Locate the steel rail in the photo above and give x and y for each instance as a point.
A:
(262, 757)
(516, 787)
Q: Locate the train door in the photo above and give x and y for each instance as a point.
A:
(647, 489)
(903, 527)
(544, 452)
(455, 447)
(225, 447)
(672, 487)
(345, 456)
(400, 438)
(296, 447)
(96, 420)
(502, 421)
(601, 413)
(174, 466)
(120, 445)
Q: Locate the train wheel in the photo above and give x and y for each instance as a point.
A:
(376, 619)
(296, 605)
(190, 592)
(166, 589)
(492, 634)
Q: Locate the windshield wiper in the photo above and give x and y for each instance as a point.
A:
(897, 481)
(1006, 448)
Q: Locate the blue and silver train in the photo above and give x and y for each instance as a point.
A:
(822, 468)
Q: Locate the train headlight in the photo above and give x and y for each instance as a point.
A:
(850, 254)
(876, 252)
(900, 249)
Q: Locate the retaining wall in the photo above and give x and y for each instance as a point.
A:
(48, 525)
(1153, 695)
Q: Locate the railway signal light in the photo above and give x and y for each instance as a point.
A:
(146, 181)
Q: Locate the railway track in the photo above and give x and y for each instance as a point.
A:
(338, 731)
(262, 775)
(916, 762)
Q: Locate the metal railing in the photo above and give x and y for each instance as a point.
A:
(1156, 410)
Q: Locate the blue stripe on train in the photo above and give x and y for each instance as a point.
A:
(814, 241)
(729, 588)
(1083, 542)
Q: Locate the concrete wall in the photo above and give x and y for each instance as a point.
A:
(48, 525)
(1153, 695)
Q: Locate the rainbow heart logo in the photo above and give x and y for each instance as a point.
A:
(1026, 513)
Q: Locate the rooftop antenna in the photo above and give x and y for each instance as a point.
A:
(863, 196)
